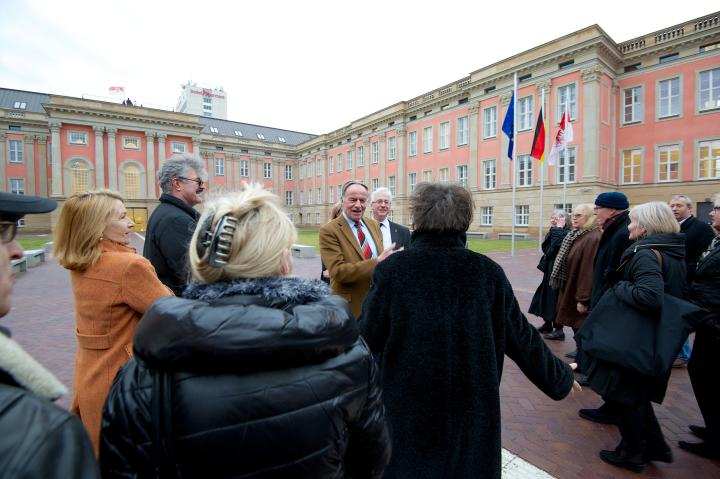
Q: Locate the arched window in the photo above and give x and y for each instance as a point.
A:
(132, 182)
(80, 177)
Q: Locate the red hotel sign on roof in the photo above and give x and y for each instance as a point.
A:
(206, 92)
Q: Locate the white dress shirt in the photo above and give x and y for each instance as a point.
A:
(385, 230)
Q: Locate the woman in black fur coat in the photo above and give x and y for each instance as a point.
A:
(251, 373)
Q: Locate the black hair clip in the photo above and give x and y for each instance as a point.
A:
(219, 241)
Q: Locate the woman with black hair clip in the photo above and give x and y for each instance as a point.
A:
(251, 373)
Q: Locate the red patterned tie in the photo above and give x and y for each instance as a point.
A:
(364, 246)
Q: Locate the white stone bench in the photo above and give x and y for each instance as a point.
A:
(302, 251)
(34, 257)
(19, 265)
(477, 234)
(518, 236)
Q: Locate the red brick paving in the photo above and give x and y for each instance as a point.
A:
(545, 433)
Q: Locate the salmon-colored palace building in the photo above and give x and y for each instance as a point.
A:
(645, 113)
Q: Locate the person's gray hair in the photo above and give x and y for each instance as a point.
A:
(655, 217)
(684, 198)
(441, 208)
(380, 191)
(178, 165)
(562, 213)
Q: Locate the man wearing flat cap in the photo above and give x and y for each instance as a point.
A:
(38, 438)
(611, 210)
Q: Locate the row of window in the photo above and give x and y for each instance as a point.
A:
(245, 169)
(669, 97)
(79, 138)
(667, 163)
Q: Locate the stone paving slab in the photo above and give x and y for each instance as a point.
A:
(543, 438)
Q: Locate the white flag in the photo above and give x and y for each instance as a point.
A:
(563, 137)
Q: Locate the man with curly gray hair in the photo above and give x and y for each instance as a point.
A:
(170, 228)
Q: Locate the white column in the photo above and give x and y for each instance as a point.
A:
(367, 161)
(382, 158)
(3, 148)
(112, 160)
(150, 169)
(42, 163)
(99, 157)
(55, 158)
(473, 180)
(161, 148)
(591, 124)
(503, 160)
(29, 148)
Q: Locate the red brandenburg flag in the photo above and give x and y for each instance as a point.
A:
(538, 144)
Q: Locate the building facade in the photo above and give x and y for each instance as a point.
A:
(645, 115)
(209, 102)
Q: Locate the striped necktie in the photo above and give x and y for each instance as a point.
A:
(364, 246)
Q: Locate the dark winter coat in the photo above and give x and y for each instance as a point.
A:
(640, 284)
(442, 318)
(545, 298)
(705, 290)
(38, 439)
(613, 243)
(269, 379)
(167, 240)
(578, 287)
(698, 236)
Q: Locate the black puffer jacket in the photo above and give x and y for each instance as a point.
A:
(168, 236)
(704, 291)
(641, 284)
(269, 378)
(613, 243)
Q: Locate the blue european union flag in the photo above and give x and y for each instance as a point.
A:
(508, 126)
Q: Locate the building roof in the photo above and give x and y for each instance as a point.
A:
(33, 101)
(253, 132)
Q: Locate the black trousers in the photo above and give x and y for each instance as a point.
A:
(703, 370)
(639, 428)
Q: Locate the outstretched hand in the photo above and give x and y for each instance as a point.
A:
(576, 386)
(387, 252)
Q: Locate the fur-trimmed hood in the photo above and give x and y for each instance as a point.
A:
(245, 324)
(22, 368)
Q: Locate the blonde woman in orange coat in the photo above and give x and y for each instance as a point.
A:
(112, 287)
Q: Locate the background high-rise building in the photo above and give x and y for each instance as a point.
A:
(201, 101)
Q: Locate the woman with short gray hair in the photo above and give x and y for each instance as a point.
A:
(441, 319)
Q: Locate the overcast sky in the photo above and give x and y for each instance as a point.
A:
(311, 66)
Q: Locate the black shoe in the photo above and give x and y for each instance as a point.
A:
(571, 354)
(663, 455)
(701, 432)
(556, 335)
(582, 380)
(704, 449)
(596, 415)
(621, 458)
(545, 328)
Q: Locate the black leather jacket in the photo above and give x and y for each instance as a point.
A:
(268, 378)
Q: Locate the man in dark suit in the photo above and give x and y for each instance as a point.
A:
(351, 246)
(380, 204)
(698, 236)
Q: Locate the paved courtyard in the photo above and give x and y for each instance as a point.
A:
(535, 429)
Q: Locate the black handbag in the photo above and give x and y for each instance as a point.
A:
(657, 336)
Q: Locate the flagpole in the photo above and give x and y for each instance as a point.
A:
(512, 160)
(542, 180)
(565, 174)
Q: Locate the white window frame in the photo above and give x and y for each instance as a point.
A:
(16, 186)
(374, 152)
(289, 198)
(20, 105)
(127, 142)
(444, 174)
(667, 150)
(331, 164)
(444, 136)
(412, 181)
(489, 174)
(339, 161)
(671, 102)
(392, 185)
(213, 129)
(412, 143)
(712, 102)
(713, 162)
(522, 215)
(317, 218)
(427, 176)
(349, 160)
(461, 135)
(17, 153)
(391, 148)
(219, 166)
(288, 172)
(374, 184)
(244, 168)
(318, 167)
(267, 171)
(525, 113)
(567, 101)
(461, 174)
(361, 157)
(319, 196)
(427, 139)
(331, 194)
(524, 172)
(636, 176)
(178, 147)
(566, 174)
(486, 216)
(77, 138)
(633, 108)
(490, 122)
(260, 136)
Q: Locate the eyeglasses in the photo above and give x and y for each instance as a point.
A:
(8, 230)
(716, 208)
(196, 180)
(381, 202)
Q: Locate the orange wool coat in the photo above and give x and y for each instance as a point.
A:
(110, 298)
